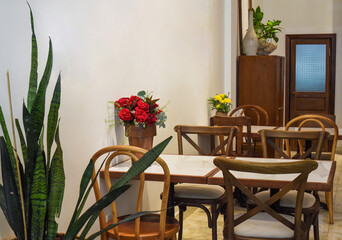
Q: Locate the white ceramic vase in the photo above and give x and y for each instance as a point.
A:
(250, 41)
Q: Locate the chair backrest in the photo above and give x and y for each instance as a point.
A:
(275, 138)
(320, 121)
(108, 154)
(315, 124)
(258, 115)
(228, 165)
(224, 147)
(240, 123)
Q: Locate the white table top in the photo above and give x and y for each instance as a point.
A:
(201, 169)
(255, 128)
(195, 169)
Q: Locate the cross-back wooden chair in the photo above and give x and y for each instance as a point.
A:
(224, 148)
(151, 226)
(258, 115)
(262, 222)
(313, 120)
(198, 195)
(274, 139)
(241, 123)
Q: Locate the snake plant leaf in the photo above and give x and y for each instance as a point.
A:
(9, 145)
(53, 117)
(83, 186)
(85, 197)
(22, 141)
(84, 192)
(144, 162)
(99, 205)
(89, 225)
(31, 154)
(38, 198)
(130, 218)
(36, 119)
(34, 66)
(56, 188)
(3, 206)
(11, 192)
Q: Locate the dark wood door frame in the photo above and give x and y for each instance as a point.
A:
(290, 37)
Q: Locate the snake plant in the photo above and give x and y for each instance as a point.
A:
(32, 188)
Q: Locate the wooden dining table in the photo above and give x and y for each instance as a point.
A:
(201, 169)
(255, 130)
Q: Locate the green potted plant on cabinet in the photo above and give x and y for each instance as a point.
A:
(32, 186)
(267, 33)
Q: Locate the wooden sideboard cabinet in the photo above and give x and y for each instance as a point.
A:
(261, 82)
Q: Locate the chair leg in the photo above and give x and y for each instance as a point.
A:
(182, 208)
(316, 227)
(329, 201)
(214, 214)
(307, 221)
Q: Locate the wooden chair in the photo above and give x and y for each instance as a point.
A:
(322, 122)
(198, 195)
(240, 123)
(258, 117)
(274, 139)
(262, 222)
(151, 226)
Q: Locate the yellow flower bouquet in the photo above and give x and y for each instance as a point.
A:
(221, 102)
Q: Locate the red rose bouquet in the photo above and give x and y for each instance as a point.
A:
(141, 110)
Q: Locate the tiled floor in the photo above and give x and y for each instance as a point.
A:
(195, 225)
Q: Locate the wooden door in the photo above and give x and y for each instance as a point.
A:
(310, 74)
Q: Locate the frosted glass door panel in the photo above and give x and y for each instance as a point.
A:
(310, 67)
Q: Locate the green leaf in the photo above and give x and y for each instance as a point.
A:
(89, 225)
(38, 108)
(83, 186)
(99, 205)
(53, 117)
(34, 66)
(9, 145)
(22, 141)
(38, 198)
(144, 162)
(141, 94)
(56, 189)
(31, 154)
(33, 121)
(3, 206)
(83, 196)
(11, 192)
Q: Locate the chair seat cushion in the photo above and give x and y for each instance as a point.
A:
(200, 191)
(262, 225)
(289, 199)
(149, 227)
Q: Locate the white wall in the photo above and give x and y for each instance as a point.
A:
(109, 49)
